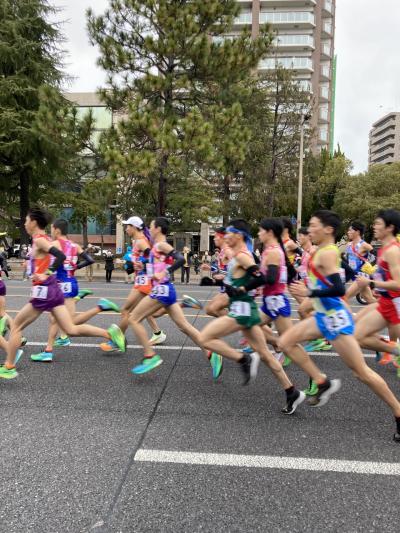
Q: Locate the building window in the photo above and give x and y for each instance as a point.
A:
(287, 17)
(323, 133)
(287, 62)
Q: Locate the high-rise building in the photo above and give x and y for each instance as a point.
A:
(384, 140)
(304, 42)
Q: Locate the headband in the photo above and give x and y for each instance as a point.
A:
(247, 237)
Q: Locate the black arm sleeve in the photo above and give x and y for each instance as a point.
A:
(60, 258)
(350, 273)
(87, 260)
(257, 279)
(179, 261)
(272, 274)
(336, 289)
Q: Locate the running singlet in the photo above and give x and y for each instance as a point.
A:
(143, 282)
(332, 316)
(42, 264)
(275, 301)
(242, 308)
(66, 272)
(389, 301)
(355, 259)
(303, 268)
(163, 290)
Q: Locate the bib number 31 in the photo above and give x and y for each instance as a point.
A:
(240, 309)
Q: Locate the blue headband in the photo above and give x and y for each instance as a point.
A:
(247, 237)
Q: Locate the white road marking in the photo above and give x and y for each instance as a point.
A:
(268, 461)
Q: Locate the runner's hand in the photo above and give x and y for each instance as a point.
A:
(158, 276)
(299, 289)
(363, 281)
(40, 277)
(138, 266)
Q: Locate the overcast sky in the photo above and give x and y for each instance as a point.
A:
(368, 76)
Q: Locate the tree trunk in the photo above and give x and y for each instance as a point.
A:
(162, 187)
(85, 233)
(226, 200)
(24, 183)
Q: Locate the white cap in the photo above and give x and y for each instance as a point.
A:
(137, 222)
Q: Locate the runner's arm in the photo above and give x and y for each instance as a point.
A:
(393, 259)
(87, 260)
(329, 268)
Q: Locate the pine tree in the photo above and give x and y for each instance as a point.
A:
(165, 73)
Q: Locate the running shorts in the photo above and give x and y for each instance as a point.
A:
(245, 312)
(276, 306)
(389, 308)
(338, 322)
(164, 293)
(47, 295)
(69, 287)
(3, 290)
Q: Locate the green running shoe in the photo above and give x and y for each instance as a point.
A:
(82, 294)
(42, 357)
(117, 337)
(3, 325)
(147, 364)
(315, 346)
(108, 305)
(326, 346)
(18, 355)
(62, 341)
(8, 373)
(286, 362)
(216, 362)
(312, 389)
(189, 301)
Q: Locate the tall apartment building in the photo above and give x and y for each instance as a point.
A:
(305, 33)
(384, 140)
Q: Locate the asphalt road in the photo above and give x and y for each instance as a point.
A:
(87, 446)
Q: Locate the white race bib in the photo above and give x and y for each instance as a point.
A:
(66, 287)
(337, 321)
(39, 292)
(240, 309)
(283, 276)
(275, 303)
(396, 303)
(161, 290)
(141, 280)
(353, 264)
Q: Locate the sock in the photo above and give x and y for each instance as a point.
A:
(245, 359)
(8, 366)
(149, 356)
(290, 391)
(325, 382)
(64, 337)
(157, 332)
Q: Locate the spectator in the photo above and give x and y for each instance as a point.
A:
(206, 258)
(89, 269)
(185, 270)
(196, 264)
(109, 266)
(128, 265)
(3, 261)
(24, 256)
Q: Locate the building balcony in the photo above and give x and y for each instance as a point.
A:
(381, 140)
(386, 128)
(327, 8)
(324, 93)
(379, 151)
(305, 85)
(326, 50)
(325, 72)
(323, 115)
(244, 19)
(285, 3)
(285, 19)
(303, 64)
(327, 29)
(289, 42)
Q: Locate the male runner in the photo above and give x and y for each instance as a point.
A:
(357, 257)
(68, 283)
(218, 304)
(163, 261)
(332, 318)
(141, 246)
(47, 295)
(386, 283)
(243, 277)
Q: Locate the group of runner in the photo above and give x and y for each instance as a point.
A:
(310, 269)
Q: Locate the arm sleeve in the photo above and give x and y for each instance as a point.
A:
(337, 288)
(272, 274)
(60, 258)
(87, 260)
(179, 261)
(257, 279)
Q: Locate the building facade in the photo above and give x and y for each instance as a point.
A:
(384, 140)
(305, 42)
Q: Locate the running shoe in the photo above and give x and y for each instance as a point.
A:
(158, 338)
(24, 342)
(83, 293)
(108, 305)
(286, 361)
(385, 359)
(216, 362)
(62, 341)
(109, 347)
(42, 357)
(325, 391)
(18, 355)
(312, 389)
(249, 367)
(8, 373)
(189, 301)
(293, 402)
(117, 337)
(396, 437)
(147, 365)
(316, 345)
(3, 325)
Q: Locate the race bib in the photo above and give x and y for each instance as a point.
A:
(396, 303)
(141, 280)
(240, 309)
(353, 264)
(161, 290)
(66, 287)
(39, 292)
(283, 276)
(337, 321)
(275, 303)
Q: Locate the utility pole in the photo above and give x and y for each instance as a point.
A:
(304, 119)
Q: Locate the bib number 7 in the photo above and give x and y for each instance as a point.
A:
(39, 292)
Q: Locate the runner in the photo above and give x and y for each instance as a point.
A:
(163, 260)
(357, 252)
(68, 283)
(218, 304)
(386, 283)
(332, 318)
(47, 295)
(243, 277)
(140, 237)
(291, 246)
